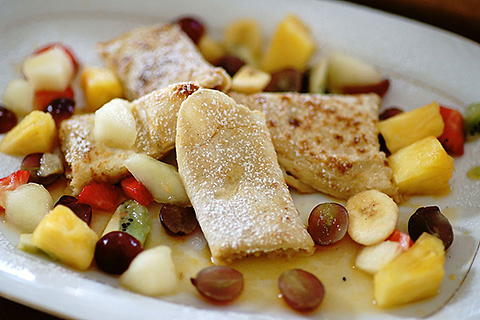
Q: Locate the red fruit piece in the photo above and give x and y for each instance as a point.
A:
(402, 238)
(44, 97)
(452, 137)
(11, 182)
(101, 195)
(63, 47)
(136, 191)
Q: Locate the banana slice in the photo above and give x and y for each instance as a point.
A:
(250, 80)
(372, 217)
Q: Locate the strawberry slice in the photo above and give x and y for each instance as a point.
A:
(44, 97)
(63, 47)
(101, 195)
(402, 238)
(452, 137)
(11, 182)
(137, 191)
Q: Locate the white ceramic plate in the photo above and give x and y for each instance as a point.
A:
(424, 64)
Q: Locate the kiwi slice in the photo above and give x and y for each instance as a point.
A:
(472, 119)
(132, 218)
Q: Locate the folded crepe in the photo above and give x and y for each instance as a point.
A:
(156, 121)
(326, 143)
(230, 171)
(153, 57)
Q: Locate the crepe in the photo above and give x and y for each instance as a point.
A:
(327, 143)
(151, 58)
(230, 171)
(156, 120)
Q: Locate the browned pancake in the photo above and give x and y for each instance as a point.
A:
(156, 121)
(230, 171)
(151, 58)
(327, 143)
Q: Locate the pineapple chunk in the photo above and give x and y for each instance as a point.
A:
(18, 96)
(406, 128)
(52, 69)
(211, 49)
(423, 167)
(243, 39)
(35, 133)
(115, 124)
(250, 80)
(414, 275)
(66, 237)
(99, 85)
(291, 47)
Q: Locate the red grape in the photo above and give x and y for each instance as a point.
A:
(115, 251)
(192, 27)
(218, 283)
(32, 163)
(8, 120)
(61, 109)
(431, 220)
(301, 290)
(81, 210)
(328, 223)
(178, 220)
(287, 80)
(231, 64)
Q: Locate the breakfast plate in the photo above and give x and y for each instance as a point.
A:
(423, 64)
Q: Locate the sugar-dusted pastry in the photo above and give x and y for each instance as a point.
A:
(156, 120)
(230, 171)
(327, 143)
(150, 58)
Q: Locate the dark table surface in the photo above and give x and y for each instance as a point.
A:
(461, 17)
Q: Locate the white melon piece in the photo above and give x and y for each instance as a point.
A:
(49, 70)
(115, 124)
(26, 206)
(318, 76)
(18, 96)
(151, 273)
(345, 70)
(373, 258)
(161, 179)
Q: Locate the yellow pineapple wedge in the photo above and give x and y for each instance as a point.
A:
(64, 236)
(35, 133)
(414, 275)
(100, 85)
(423, 167)
(406, 128)
(292, 46)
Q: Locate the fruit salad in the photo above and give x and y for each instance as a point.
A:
(144, 231)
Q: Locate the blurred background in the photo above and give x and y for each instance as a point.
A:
(458, 16)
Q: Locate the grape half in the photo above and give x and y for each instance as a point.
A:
(218, 283)
(192, 27)
(8, 120)
(81, 210)
(178, 220)
(61, 109)
(301, 290)
(32, 163)
(286, 80)
(431, 220)
(328, 223)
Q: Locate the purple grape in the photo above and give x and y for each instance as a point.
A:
(301, 290)
(81, 210)
(178, 220)
(115, 251)
(218, 283)
(231, 64)
(32, 163)
(61, 109)
(431, 220)
(389, 112)
(287, 80)
(192, 27)
(8, 120)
